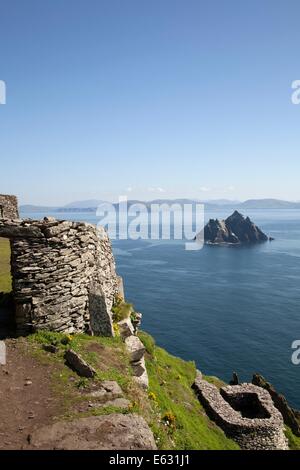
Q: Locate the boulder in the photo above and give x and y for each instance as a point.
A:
(110, 432)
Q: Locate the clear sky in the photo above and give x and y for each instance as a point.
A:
(160, 98)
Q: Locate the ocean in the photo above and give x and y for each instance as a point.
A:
(226, 308)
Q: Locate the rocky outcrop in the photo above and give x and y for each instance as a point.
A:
(110, 432)
(63, 275)
(289, 415)
(245, 413)
(235, 230)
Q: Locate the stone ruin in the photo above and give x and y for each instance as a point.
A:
(245, 412)
(8, 207)
(63, 273)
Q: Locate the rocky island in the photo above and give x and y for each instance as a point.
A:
(235, 230)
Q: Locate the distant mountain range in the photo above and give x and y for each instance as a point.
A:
(92, 204)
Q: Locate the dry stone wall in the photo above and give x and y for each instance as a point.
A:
(8, 207)
(63, 274)
(289, 415)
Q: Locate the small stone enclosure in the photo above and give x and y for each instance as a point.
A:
(245, 412)
(63, 273)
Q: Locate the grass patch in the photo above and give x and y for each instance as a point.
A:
(108, 357)
(5, 277)
(214, 380)
(294, 441)
(121, 309)
(178, 420)
(170, 406)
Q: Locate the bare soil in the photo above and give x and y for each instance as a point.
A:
(27, 401)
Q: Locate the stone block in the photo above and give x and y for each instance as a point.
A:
(126, 328)
(135, 348)
(79, 365)
(140, 373)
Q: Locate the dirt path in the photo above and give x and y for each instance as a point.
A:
(26, 398)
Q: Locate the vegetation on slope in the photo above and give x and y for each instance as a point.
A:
(5, 278)
(186, 426)
(169, 406)
(294, 441)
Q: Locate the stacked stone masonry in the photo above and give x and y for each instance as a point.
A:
(8, 207)
(63, 275)
(231, 408)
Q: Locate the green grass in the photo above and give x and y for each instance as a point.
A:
(5, 277)
(170, 407)
(294, 441)
(108, 357)
(176, 417)
(121, 310)
(170, 393)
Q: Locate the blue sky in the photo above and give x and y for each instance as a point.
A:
(165, 98)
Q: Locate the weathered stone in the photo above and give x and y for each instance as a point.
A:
(140, 373)
(78, 364)
(61, 280)
(137, 320)
(135, 348)
(126, 328)
(100, 312)
(50, 348)
(234, 380)
(8, 207)
(2, 353)
(113, 387)
(109, 390)
(110, 432)
(19, 231)
(289, 415)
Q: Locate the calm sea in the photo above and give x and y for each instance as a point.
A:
(228, 309)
